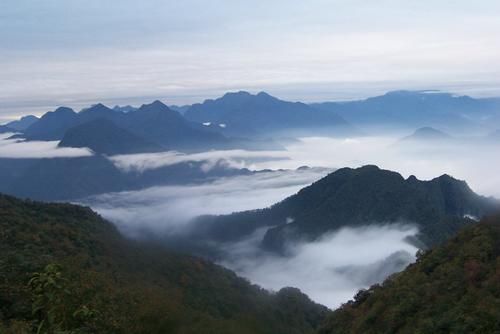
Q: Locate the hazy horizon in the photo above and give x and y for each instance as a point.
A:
(127, 52)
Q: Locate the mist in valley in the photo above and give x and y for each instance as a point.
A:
(330, 269)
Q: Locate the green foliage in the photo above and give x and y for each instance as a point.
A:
(454, 288)
(63, 269)
(57, 304)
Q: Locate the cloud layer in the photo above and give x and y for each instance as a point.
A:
(468, 159)
(167, 209)
(234, 158)
(331, 270)
(13, 148)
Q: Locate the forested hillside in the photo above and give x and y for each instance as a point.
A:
(454, 288)
(63, 269)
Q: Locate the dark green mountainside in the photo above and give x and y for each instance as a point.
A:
(454, 288)
(63, 269)
(357, 197)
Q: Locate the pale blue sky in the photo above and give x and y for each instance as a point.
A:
(77, 52)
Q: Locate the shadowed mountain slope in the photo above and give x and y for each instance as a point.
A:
(104, 137)
(242, 113)
(64, 269)
(23, 123)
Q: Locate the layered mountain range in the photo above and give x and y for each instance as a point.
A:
(243, 115)
(415, 109)
(151, 127)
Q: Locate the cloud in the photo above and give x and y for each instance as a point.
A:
(13, 148)
(234, 158)
(74, 51)
(469, 158)
(166, 210)
(330, 270)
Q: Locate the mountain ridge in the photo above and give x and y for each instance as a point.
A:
(244, 113)
(356, 197)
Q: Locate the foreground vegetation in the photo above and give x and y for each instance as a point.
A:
(63, 269)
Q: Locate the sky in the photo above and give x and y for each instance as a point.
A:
(80, 52)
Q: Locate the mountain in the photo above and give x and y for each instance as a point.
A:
(157, 123)
(6, 129)
(100, 111)
(357, 197)
(65, 269)
(453, 288)
(76, 178)
(104, 137)
(243, 114)
(412, 109)
(180, 109)
(427, 134)
(152, 123)
(52, 125)
(23, 123)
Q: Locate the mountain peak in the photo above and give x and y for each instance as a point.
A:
(238, 93)
(156, 105)
(99, 107)
(427, 133)
(64, 110)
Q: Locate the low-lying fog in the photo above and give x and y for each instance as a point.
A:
(332, 269)
(20, 149)
(167, 209)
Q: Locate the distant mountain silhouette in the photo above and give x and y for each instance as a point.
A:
(103, 136)
(427, 134)
(180, 109)
(5, 129)
(153, 123)
(52, 125)
(159, 124)
(75, 178)
(23, 123)
(412, 109)
(358, 197)
(100, 111)
(242, 114)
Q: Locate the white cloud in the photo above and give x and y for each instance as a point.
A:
(468, 159)
(168, 209)
(14, 148)
(332, 269)
(236, 158)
